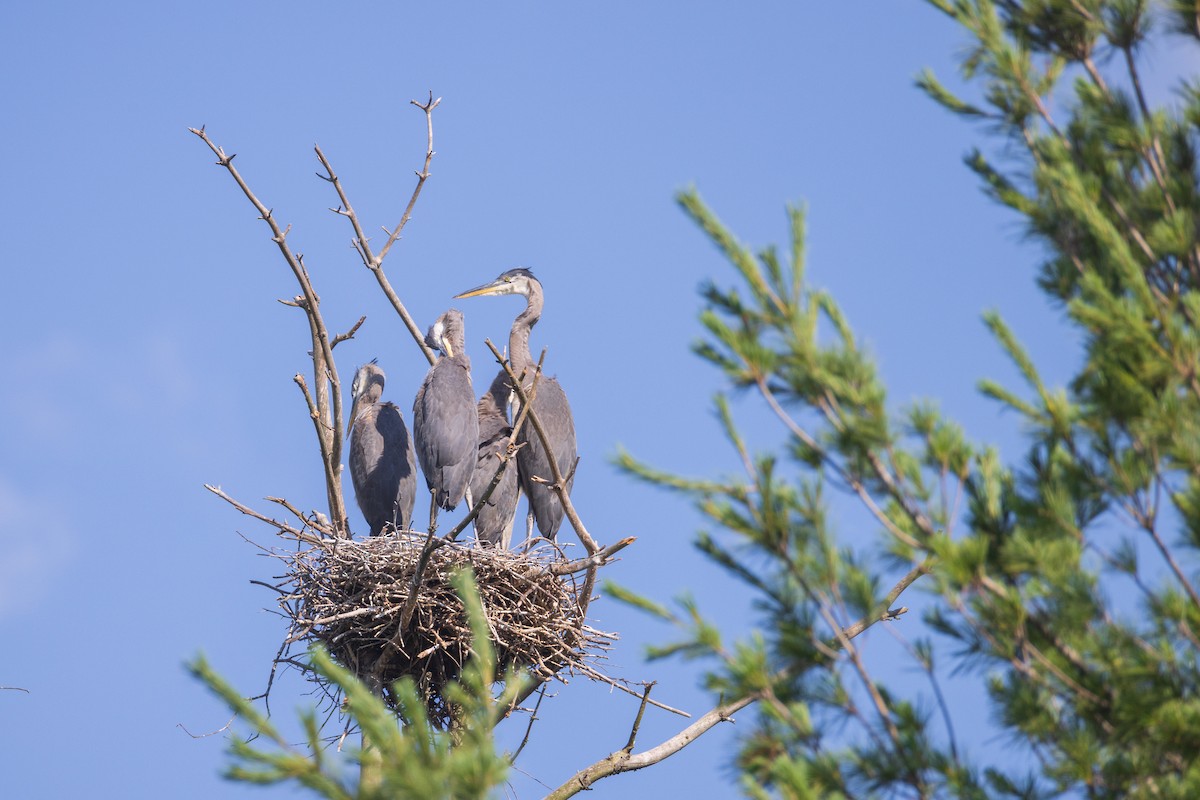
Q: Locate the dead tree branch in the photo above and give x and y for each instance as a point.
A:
(282, 527)
(327, 404)
(341, 337)
(598, 559)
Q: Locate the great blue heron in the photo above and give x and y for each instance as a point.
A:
(494, 522)
(549, 404)
(381, 454)
(445, 424)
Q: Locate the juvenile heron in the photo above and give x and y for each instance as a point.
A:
(549, 404)
(445, 422)
(494, 523)
(381, 454)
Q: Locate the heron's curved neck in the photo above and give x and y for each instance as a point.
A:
(518, 337)
(495, 400)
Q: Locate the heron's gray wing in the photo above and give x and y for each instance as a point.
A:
(381, 467)
(446, 429)
(397, 481)
(495, 518)
(554, 413)
(365, 450)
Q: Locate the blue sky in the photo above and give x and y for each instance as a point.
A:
(148, 354)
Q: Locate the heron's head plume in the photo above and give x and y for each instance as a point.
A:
(368, 381)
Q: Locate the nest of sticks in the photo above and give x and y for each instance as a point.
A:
(349, 596)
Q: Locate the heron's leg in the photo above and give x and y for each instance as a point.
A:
(433, 509)
(506, 536)
(528, 531)
(470, 502)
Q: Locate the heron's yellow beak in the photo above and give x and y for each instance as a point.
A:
(495, 287)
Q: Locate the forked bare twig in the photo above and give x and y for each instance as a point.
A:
(361, 242)
(282, 527)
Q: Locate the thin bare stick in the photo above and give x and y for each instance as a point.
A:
(183, 727)
(637, 721)
(1165, 552)
(422, 176)
(584, 597)
(1154, 153)
(295, 512)
(877, 699)
(414, 587)
(341, 337)
(599, 559)
(619, 686)
(533, 717)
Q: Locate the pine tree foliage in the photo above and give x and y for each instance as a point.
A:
(1066, 581)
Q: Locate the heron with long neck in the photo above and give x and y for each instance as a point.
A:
(549, 404)
(382, 467)
(445, 421)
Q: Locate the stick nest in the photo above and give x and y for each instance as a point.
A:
(349, 595)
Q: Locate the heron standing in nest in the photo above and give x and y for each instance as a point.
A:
(445, 421)
(494, 523)
(549, 404)
(381, 454)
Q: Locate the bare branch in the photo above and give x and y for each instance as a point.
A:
(883, 610)
(637, 721)
(183, 728)
(422, 176)
(533, 717)
(341, 337)
(624, 761)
